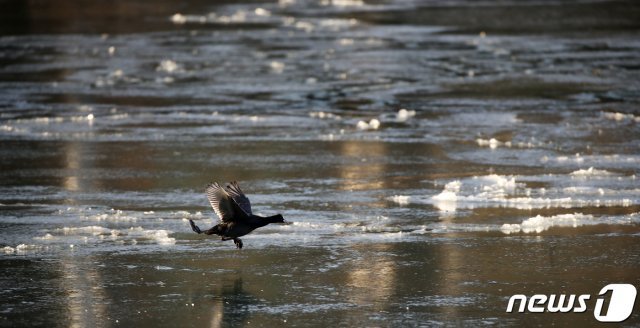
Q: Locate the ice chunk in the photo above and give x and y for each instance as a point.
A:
(446, 200)
(449, 192)
(590, 172)
(343, 3)
(324, 115)
(277, 67)
(47, 236)
(404, 114)
(92, 230)
(401, 200)
(262, 12)
(160, 236)
(178, 18)
(446, 195)
(494, 143)
(374, 124)
(540, 223)
(168, 66)
(621, 116)
(24, 248)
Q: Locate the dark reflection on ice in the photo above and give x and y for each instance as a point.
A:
(433, 158)
(231, 305)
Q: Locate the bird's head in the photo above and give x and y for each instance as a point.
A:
(278, 218)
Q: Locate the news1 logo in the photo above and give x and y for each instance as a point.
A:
(618, 307)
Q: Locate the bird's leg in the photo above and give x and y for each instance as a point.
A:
(194, 227)
(238, 242)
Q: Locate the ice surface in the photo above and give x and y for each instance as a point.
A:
(541, 223)
(542, 112)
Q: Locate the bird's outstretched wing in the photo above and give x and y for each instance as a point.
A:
(224, 206)
(233, 189)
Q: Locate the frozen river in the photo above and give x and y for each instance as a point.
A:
(433, 158)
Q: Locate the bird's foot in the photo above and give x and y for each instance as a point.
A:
(238, 242)
(194, 227)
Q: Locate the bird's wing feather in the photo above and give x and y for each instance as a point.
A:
(224, 206)
(233, 189)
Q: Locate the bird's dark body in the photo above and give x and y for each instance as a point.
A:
(239, 229)
(234, 210)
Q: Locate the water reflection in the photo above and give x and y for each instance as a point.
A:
(364, 169)
(452, 264)
(373, 277)
(373, 273)
(83, 285)
(73, 165)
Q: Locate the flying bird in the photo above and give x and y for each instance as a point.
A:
(234, 210)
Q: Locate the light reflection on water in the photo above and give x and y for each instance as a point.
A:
(512, 168)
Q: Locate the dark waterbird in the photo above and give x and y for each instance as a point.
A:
(234, 210)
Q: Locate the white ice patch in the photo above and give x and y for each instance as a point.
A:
(400, 199)
(506, 191)
(496, 186)
(325, 227)
(47, 236)
(23, 249)
(602, 161)
(590, 172)
(486, 188)
(537, 224)
(342, 3)
(616, 116)
(257, 15)
(98, 234)
(540, 223)
(160, 236)
(373, 124)
(446, 200)
(277, 67)
(405, 114)
(492, 143)
(325, 115)
(111, 216)
(91, 230)
(168, 66)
